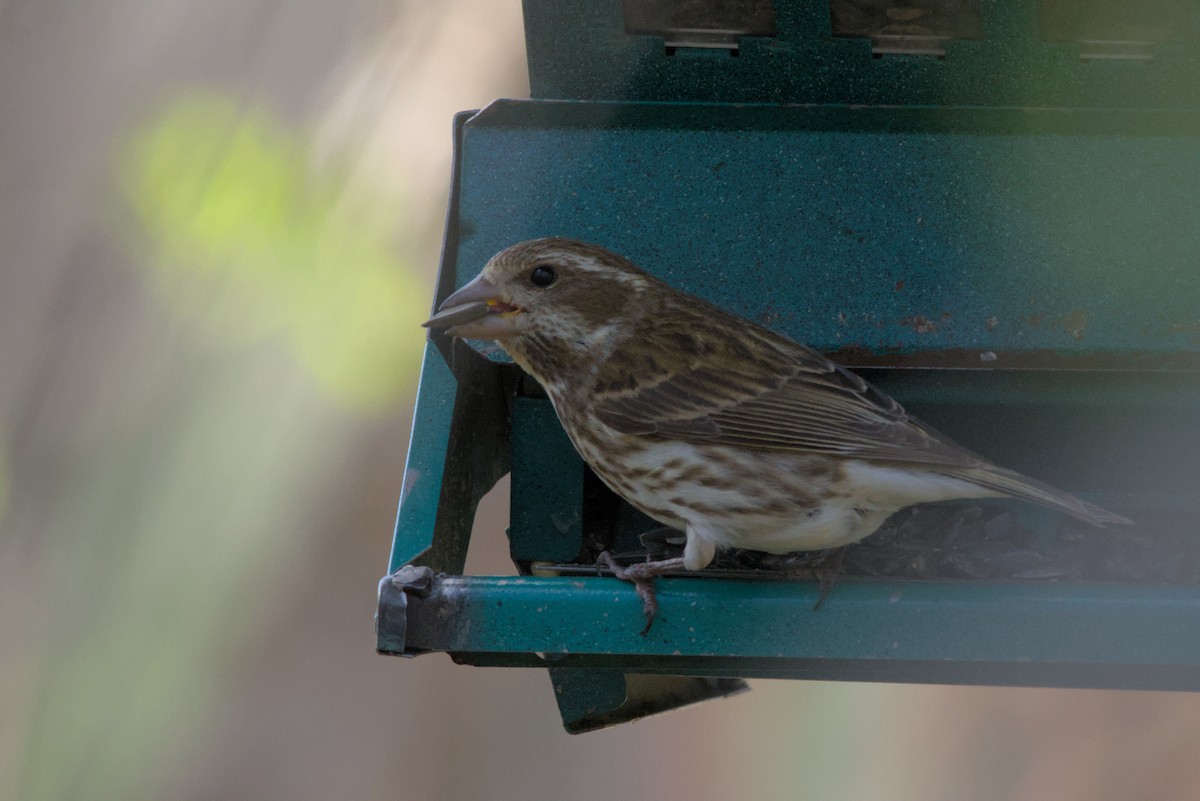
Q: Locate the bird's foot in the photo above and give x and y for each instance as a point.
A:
(826, 569)
(641, 575)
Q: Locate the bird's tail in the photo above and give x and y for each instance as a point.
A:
(1010, 483)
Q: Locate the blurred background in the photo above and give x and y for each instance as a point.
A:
(219, 227)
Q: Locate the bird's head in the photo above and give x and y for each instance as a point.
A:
(563, 294)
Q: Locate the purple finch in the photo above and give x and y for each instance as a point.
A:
(708, 423)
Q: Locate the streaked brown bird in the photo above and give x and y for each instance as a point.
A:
(709, 423)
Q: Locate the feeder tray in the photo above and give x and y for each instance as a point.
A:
(1001, 235)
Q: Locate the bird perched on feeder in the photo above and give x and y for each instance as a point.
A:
(709, 423)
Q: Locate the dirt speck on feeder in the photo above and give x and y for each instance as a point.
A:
(920, 324)
(1074, 323)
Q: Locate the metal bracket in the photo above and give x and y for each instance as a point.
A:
(391, 619)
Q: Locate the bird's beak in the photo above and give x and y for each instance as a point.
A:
(476, 311)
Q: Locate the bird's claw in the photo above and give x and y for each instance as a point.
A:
(641, 576)
(825, 569)
(645, 591)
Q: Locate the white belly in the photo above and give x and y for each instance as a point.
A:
(777, 502)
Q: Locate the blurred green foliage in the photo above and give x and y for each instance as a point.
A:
(169, 508)
(253, 241)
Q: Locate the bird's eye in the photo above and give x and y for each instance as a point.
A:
(543, 276)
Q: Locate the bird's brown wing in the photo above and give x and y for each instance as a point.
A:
(727, 381)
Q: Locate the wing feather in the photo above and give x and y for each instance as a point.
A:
(728, 381)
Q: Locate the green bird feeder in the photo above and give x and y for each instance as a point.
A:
(991, 210)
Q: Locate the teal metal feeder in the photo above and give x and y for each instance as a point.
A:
(993, 216)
